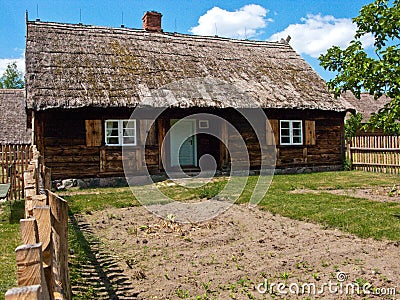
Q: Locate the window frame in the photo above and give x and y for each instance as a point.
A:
(121, 132)
(291, 135)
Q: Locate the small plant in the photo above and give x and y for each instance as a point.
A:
(171, 218)
(183, 294)
(393, 191)
(361, 281)
(250, 295)
(336, 268)
(285, 275)
(207, 286)
(324, 264)
(316, 276)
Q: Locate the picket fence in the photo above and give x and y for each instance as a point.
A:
(14, 160)
(375, 153)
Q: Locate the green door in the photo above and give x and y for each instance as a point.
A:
(183, 143)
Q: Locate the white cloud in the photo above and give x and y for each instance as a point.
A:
(245, 22)
(5, 61)
(317, 33)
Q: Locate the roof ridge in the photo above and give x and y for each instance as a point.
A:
(164, 33)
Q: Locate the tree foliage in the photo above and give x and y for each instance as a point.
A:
(12, 78)
(376, 74)
(352, 125)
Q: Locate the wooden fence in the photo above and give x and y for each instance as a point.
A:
(42, 260)
(375, 153)
(14, 160)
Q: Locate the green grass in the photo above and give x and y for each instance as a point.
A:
(99, 199)
(10, 237)
(362, 217)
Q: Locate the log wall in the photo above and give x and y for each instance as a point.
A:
(73, 146)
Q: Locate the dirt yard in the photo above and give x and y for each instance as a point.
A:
(228, 257)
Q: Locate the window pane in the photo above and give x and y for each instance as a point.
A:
(112, 124)
(297, 132)
(285, 124)
(285, 132)
(296, 124)
(129, 132)
(129, 124)
(112, 141)
(112, 132)
(297, 140)
(285, 140)
(128, 140)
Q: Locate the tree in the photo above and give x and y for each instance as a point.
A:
(12, 78)
(376, 74)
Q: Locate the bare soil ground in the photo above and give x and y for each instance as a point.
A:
(229, 256)
(379, 193)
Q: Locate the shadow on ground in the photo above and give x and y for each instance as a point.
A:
(98, 276)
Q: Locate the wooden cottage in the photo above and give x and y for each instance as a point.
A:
(13, 120)
(84, 82)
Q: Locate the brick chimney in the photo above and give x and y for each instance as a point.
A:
(152, 21)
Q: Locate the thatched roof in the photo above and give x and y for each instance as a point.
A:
(69, 66)
(13, 127)
(366, 105)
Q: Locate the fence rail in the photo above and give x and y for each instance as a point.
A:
(375, 153)
(14, 160)
(42, 260)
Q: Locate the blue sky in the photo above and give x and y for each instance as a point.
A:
(314, 25)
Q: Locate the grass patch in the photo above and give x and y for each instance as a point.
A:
(362, 217)
(99, 199)
(10, 235)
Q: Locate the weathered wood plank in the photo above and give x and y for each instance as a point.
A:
(30, 267)
(31, 292)
(42, 216)
(310, 132)
(59, 222)
(94, 133)
(29, 231)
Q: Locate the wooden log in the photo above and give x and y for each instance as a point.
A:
(29, 231)
(30, 267)
(31, 292)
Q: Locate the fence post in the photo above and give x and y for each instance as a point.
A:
(59, 223)
(30, 267)
(31, 292)
(29, 231)
(42, 216)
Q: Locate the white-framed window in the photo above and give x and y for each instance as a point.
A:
(120, 132)
(291, 132)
